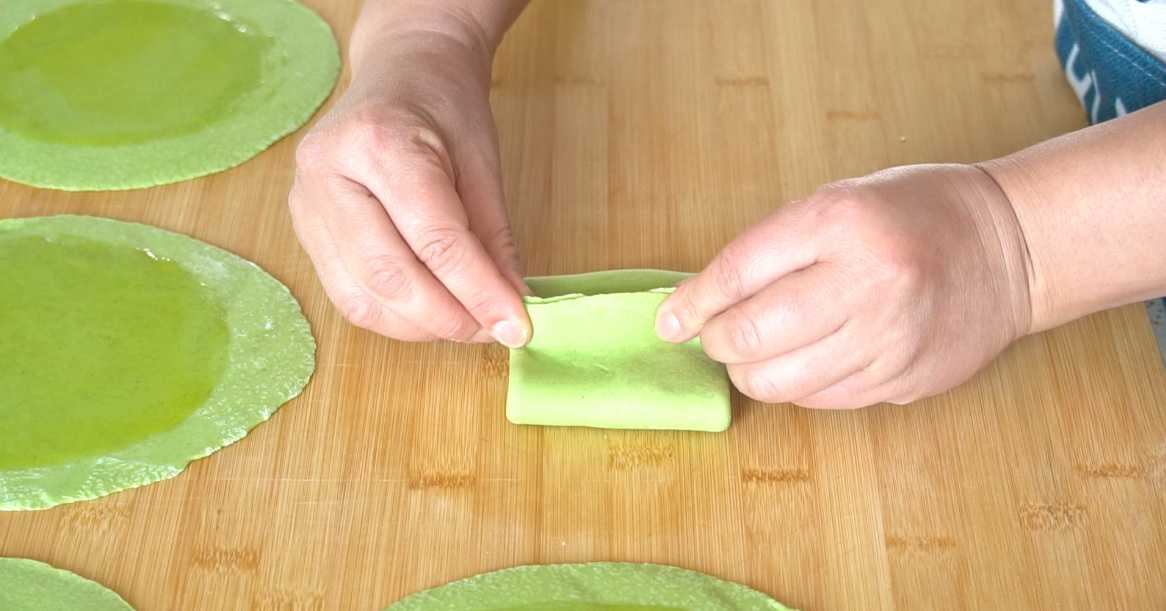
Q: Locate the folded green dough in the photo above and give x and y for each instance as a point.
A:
(594, 359)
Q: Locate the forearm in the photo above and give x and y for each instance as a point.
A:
(1092, 209)
(477, 25)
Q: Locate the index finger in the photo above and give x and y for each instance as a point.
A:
(767, 251)
(420, 198)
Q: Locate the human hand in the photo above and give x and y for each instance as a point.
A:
(892, 287)
(398, 197)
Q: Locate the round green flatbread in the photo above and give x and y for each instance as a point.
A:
(28, 585)
(599, 586)
(124, 94)
(130, 351)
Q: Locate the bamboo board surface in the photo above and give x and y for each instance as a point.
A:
(647, 134)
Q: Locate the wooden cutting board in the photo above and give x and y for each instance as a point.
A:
(647, 134)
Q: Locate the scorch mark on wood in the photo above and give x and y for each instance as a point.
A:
(1110, 470)
(774, 476)
(226, 560)
(1152, 466)
(496, 362)
(923, 543)
(1057, 515)
(96, 517)
(446, 480)
(622, 456)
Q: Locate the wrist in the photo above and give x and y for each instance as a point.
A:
(403, 28)
(1004, 174)
(1002, 231)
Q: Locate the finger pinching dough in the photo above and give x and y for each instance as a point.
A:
(596, 586)
(594, 359)
(100, 95)
(127, 351)
(28, 585)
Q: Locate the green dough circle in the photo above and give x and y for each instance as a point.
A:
(123, 387)
(600, 586)
(126, 94)
(28, 585)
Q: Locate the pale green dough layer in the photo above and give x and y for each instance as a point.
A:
(599, 283)
(125, 94)
(597, 586)
(28, 585)
(594, 359)
(269, 357)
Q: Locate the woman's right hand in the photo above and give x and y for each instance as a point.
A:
(398, 195)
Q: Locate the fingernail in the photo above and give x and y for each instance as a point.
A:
(668, 326)
(509, 334)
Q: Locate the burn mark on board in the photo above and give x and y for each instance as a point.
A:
(774, 476)
(1151, 467)
(286, 600)
(495, 362)
(929, 544)
(625, 456)
(441, 480)
(1046, 516)
(226, 560)
(1110, 470)
(96, 516)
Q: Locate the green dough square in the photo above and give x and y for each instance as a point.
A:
(594, 359)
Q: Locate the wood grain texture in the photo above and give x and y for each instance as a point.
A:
(647, 134)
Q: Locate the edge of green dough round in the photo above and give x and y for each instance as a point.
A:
(270, 358)
(31, 585)
(313, 59)
(595, 583)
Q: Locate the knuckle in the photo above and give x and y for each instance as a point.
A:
(386, 278)
(423, 140)
(900, 266)
(360, 310)
(764, 390)
(684, 307)
(402, 135)
(757, 387)
(501, 241)
(364, 137)
(897, 259)
(727, 273)
(369, 135)
(842, 205)
(477, 303)
(457, 328)
(443, 251)
(312, 153)
(744, 334)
